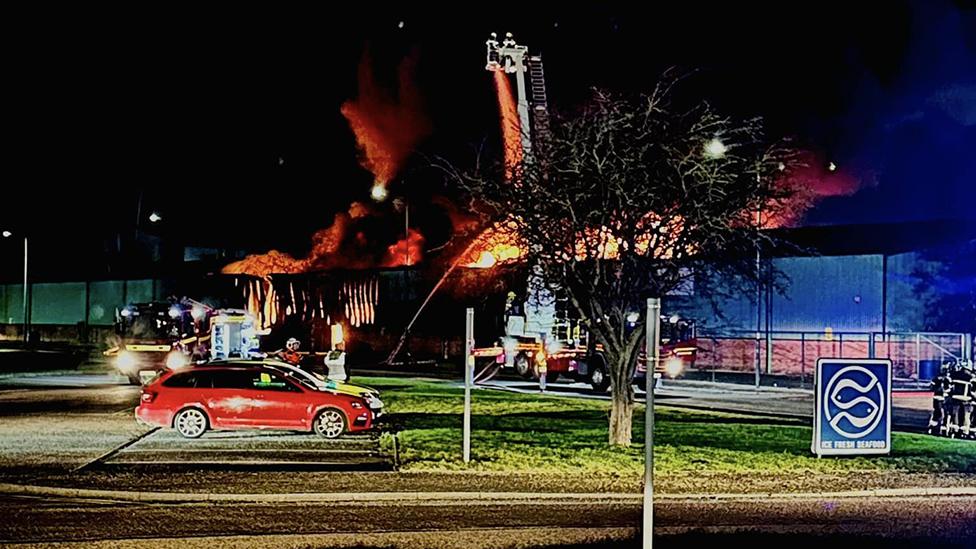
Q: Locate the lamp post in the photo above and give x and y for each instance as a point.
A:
(8, 234)
(400, 204)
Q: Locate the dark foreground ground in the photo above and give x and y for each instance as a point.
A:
(893, 522)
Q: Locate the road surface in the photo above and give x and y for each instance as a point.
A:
(764, 522)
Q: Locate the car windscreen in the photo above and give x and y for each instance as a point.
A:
(150, 327)
(303, 378)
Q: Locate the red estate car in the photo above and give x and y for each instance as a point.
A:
(229, 397)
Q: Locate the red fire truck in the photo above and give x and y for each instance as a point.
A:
(159, 335)
(535, 345)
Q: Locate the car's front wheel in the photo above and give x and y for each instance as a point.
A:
(522, 366)
(190, 423)
(330, 423)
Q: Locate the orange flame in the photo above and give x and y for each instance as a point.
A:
(265, 264)
(387, 126)
(335, 246)
(407, 251)
(493, 246)
(658, 238)
(511, 127)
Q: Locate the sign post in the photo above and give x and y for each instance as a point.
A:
(468, 374)
(853, 407)
(652, 347)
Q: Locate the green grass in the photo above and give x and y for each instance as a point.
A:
(534, 433)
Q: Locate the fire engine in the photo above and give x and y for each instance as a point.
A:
(153, 336)
(544, 340)
(177, 333)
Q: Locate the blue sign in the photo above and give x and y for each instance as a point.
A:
(853, 407)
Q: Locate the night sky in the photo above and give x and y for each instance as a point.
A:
(227, 122)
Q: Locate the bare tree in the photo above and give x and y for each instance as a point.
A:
(629, 198)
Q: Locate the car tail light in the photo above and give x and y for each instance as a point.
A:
(147, 396)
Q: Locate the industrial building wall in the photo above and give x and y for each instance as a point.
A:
(842, 293)
(11, 303)
(841, 306)
(58, 308)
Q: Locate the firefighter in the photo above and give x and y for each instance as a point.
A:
(969, 408)
(290, 353)
(940, 386)
(960, 401)
(493, 59)
(541, 366)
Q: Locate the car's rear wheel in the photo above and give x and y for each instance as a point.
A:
(330, 423)
(190, 423)
(599, 376)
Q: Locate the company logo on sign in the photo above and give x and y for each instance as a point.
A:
(854, 409)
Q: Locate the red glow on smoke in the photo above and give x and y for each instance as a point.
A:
(387, 126)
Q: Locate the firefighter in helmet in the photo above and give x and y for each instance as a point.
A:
(960, 400)
(290, 353)
(969, 408)
(940, 386)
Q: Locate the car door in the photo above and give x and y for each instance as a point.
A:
(234, 401)
(283, 402)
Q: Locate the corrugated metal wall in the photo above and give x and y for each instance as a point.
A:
(843, 293)
(65, 303)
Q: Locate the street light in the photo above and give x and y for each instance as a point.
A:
(8, 234)
(155, 217)
(378, 192)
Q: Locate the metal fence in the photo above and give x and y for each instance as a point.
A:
(914, 355)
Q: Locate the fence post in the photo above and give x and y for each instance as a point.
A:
(803, 358)
(918, 354)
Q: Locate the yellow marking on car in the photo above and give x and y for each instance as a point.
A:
(148, 348)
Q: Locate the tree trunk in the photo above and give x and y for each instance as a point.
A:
(621, 418)
(622, 405)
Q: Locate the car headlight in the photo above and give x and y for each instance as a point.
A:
(176, 360)
(372, 400)
(125, 360)
(674, 367)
